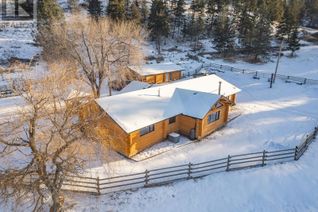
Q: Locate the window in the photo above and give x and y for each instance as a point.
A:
(214, 117)
(172, 120)
(147, 130)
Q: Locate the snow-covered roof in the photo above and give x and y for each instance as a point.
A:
(152, 69)
(135, 110)
(135, 85)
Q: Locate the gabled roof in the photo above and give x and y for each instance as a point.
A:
(153, 69)
(134, 86)
(194, 97)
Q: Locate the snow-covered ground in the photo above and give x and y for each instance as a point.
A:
(290, 187)
(17, 40)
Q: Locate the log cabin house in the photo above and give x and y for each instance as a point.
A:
(157, 73)
(134, 121)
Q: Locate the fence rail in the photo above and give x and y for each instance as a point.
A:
(170, 174)
(260, 74)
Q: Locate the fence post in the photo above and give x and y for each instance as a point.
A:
(232, 69)
(243, 71)
(305, 80)
(146, 178)
(271, 81)
(296, 153)
(98, 185)
(228, 163)
(189, 170)
(264, 158)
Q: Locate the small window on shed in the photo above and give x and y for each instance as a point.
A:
(172, 120)
(147, 130)
(214, 117)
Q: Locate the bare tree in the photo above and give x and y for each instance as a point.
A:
(102, 50)
(41, 144)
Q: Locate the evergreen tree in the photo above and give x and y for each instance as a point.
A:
(276, 9)
(288, 27)
(254, 27)
(144, 12)
(179, 14)
(293, 41)
(224, 34)
(135, 12)
(158, 22)
(284, 26)
(116, 9)
(48, 11)
(73, 5)
(291, 19)
(246, 25)
(196, 26)
(262, 34)
(95, 9)
(211, 12)
(311, 10)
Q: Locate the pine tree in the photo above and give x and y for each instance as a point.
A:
(224, 34)
(179, 14)
(158, 22)
(311, 10)
(246, 26)
(288, 27)
(254, 27)
(284, 26)
(116, 10)
(48, 11)
(291, 19)
(196, 26)
(211, 13)
(135, 12)
(144, 11)
(276, 10)
(293, 41)
(95, 9)
(262, 34)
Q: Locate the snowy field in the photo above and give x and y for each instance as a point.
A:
(289, 187)
(271, 119)
(17, 41)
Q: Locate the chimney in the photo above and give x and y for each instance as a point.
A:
(220, 87)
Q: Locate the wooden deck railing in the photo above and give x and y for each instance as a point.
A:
(161, 176)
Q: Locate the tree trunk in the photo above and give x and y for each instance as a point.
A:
(109, 88)
(292, 53)
(58, 201)
(158, 45)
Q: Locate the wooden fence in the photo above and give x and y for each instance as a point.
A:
(259, 74)
(161, 176)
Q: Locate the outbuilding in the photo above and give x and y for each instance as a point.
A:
(157, 73)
